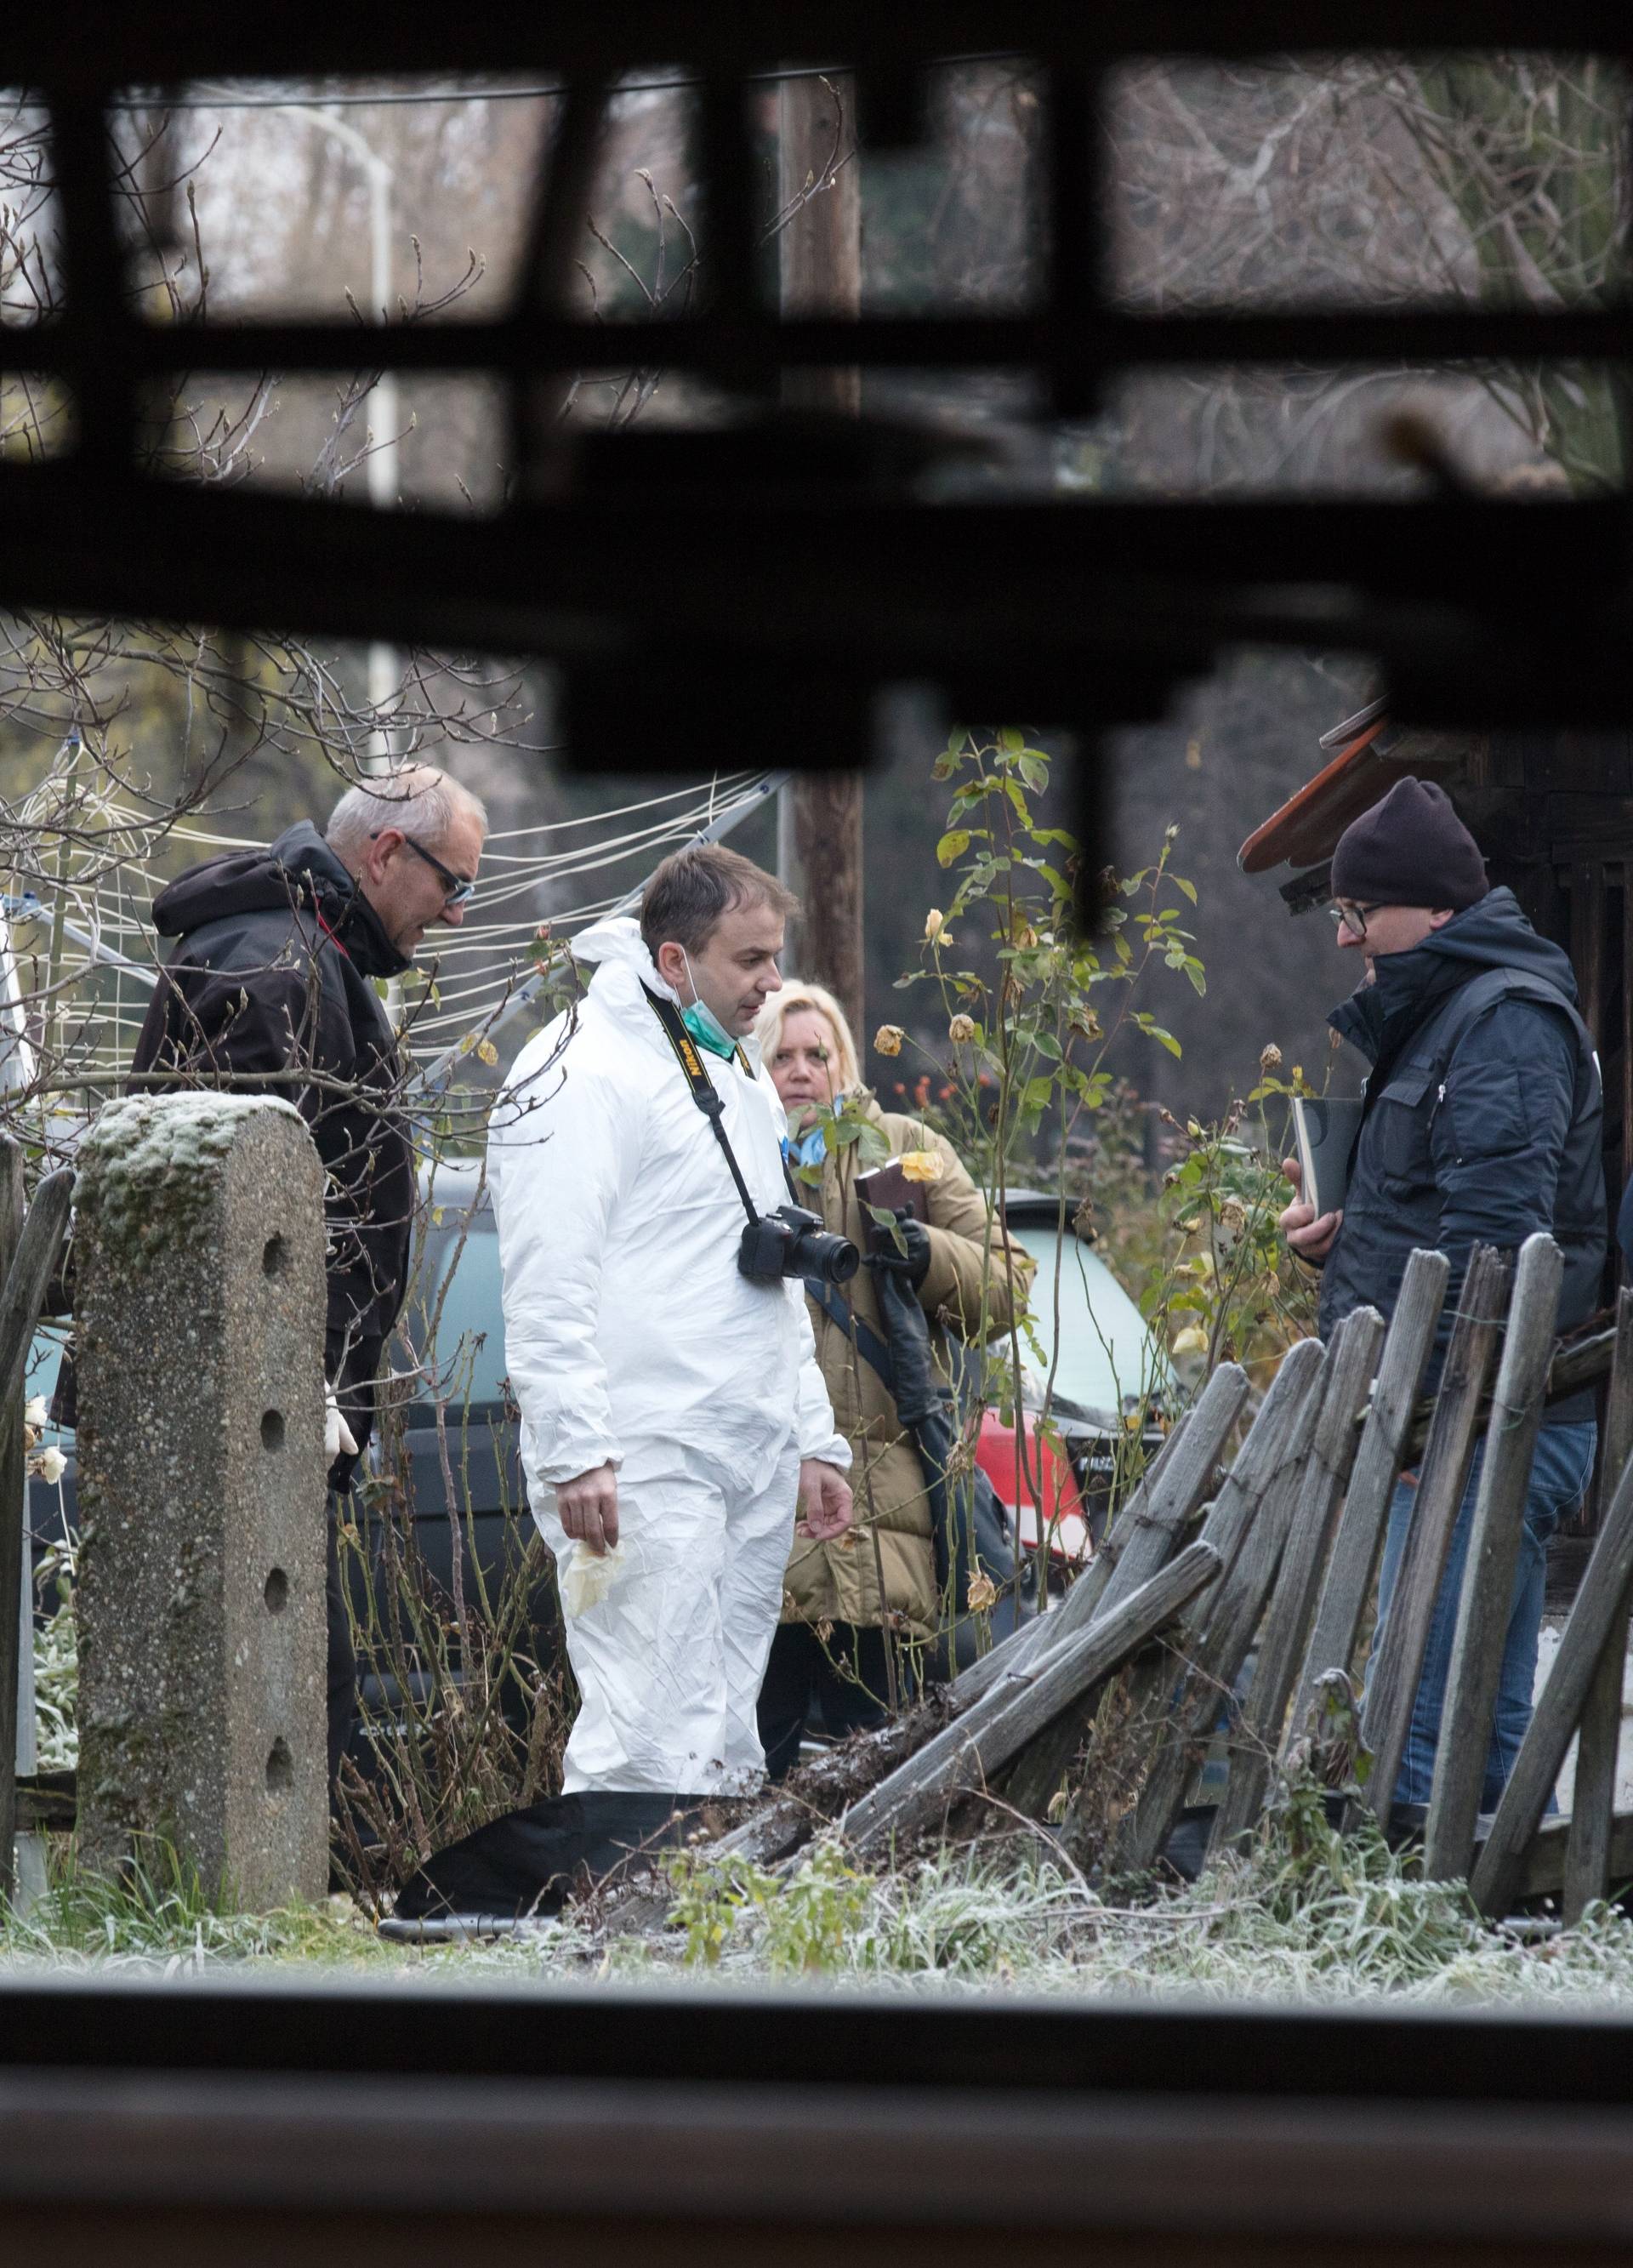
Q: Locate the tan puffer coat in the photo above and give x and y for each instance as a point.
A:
(840, 1581)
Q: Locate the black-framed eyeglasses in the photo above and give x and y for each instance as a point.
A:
(457, 889)
(1351, 917)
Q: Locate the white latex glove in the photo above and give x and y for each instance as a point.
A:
(590, 1576)
(337, 1435)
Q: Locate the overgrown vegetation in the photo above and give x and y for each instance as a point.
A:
(1305, 1915)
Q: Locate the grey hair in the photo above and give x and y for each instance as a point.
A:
(419, 801)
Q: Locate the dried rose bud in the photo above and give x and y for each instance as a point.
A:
(1270, 1058)
(961, 1029)
(887, 1040)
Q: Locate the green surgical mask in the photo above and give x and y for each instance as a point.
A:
(707, 1029)
(702, 1023)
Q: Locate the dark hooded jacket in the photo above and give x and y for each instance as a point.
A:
(273, 977)
(1483, 1122)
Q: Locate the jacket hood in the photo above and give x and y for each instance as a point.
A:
(1406, 987)
(298, 869)
(616, 942)
(623, 968)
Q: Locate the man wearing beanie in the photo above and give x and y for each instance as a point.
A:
(1482, 1125)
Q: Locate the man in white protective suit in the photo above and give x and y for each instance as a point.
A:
(674, 1423)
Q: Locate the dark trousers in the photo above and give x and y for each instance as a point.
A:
(342, 1678)
(846, 1677)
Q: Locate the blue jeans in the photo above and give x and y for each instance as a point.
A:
(1560, 1473)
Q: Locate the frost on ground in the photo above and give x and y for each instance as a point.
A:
(1305, 1916)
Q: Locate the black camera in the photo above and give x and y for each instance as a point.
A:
(793, 1242)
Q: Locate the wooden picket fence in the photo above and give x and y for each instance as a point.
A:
(1277, 1555)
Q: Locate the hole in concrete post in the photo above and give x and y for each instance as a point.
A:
(274, 1255)
(272, 1430)
(280, 1767)
(276, 1593)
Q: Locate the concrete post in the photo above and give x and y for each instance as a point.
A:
(199, 1243)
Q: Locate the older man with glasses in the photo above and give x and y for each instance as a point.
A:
(1482, 1124)
(273, 977)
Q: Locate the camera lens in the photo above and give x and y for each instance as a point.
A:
(832, 1259)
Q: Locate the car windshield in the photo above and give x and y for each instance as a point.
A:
(1107, 1356)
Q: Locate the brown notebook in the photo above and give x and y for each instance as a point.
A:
(889, 1187)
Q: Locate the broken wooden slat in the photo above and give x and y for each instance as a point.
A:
(1248, 1526)
(1587, 1859)
(1352, 1571)
(1494, 1537)
(969, 1752)
(1147, 1703)
(1351, 1363)
(1501, 1864)
(1041, 1630)
(1392, 1688)
(1146, 1536)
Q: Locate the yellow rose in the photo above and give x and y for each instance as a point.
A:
(1191, 1341)
(887, 1040)
(961, 1028)
(920, 1165)
(935, 922)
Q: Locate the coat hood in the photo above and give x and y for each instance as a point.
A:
(1407, 987)
(298, 869)
(623, 967)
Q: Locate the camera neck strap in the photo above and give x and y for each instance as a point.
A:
(705, 1093)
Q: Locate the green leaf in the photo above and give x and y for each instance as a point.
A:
(1179, 883)
(1011, 741)
(952, 845)
(1035, 771)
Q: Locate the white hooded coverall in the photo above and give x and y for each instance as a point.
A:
(630, 1336)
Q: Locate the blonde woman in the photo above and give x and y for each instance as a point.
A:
(829, 1646)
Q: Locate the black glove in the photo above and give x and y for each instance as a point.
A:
(914, 1263)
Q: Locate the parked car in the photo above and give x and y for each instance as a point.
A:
(1102, 1367)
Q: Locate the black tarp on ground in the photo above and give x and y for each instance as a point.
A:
(527, 1862)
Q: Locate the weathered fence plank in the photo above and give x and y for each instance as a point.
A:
(1351, 1363)
(1593, 1803)
(1352, 1571)
(1501, 1864)
(1248, 1526)
(1142, 1542)
(1493, 1554)
(967, 1754)
(1392, 1688)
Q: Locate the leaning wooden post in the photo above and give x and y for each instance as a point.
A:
(1488, 1593)
(1146, 1534)
(1501, 1864)
(1352, 1571)
(1350, 1364)
(1392, 1688)
(1248, 1526)
(1594, 1799)
(199, 1311)
(967, 1754)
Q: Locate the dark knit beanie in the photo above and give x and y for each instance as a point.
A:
(1410, 850)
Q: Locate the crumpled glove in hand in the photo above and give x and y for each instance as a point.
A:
(337, 1435)
(914, 1263)
(590, 1576)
